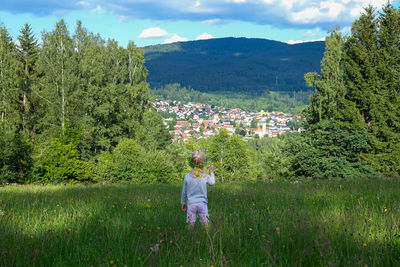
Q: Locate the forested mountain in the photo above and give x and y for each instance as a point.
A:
(233, 64)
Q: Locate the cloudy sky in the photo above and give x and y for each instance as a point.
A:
(148, 22)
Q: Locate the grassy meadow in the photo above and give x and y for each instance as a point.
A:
(315, 223)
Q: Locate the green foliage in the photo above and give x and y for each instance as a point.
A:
(152, 133)
(130, 162)
(290, 102)
(329, 87)
(326, 150)
(28, 50)
(231, 157)
(60, 163)
(271, 158)
(15, 157)
(359, 89)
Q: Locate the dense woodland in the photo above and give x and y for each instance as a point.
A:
(236, 65)
(293, 102)
(76, 109)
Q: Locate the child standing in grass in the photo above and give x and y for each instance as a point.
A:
(194, 191)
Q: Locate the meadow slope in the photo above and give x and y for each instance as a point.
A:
(316, 223)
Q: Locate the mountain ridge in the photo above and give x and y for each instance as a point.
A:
(233, 64)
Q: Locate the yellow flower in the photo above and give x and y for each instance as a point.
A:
(365, 244)
(111, 262)
(385, 210)
(69, 229)
(250, 229)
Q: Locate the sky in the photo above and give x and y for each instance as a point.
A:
(149, 22)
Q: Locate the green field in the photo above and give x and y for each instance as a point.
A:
(316, 223)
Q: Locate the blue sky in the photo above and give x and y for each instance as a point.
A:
(148, 22)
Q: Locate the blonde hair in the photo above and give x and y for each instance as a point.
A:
(198, 159)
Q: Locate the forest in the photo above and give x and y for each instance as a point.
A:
(75, 108)
(235, 65)
(288, 102)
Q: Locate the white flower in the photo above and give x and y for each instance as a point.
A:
(1, 213)
(155, 248)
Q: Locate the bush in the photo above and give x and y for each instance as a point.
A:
(130, 162)
(273, 162)
(15, 157)
(326, 150)
(231, 157)
(60, 163)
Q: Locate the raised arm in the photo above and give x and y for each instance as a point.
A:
(211, 179)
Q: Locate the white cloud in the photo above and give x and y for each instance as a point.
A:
(153, 33)
(211, 21)
(123, 19)
(311, 33)
(346, 30)
(175, 38)
(205, 36)
(281, 13)
(291, 42)
(98, 9)
(83, 3)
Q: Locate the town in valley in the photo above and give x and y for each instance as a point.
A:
(196, 120)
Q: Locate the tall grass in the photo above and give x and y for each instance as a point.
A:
(332, 223)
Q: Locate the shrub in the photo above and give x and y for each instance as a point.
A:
(15, 157)
(326, 150)
(60, 163)
(130, 162)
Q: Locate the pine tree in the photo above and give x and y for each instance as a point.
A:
(8, 84)
(361, 61)
(385, 123)
(15, 151)
(27, 55)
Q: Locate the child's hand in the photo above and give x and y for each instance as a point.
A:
(183, 208)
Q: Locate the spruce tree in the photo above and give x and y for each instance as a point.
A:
(372, 75)
(27, 55)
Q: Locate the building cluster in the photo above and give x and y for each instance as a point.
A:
(195, 120)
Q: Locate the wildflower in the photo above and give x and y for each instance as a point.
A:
(1, 213)
(111, 262)
(365, 244)
(155, 248)
(69, 229)
(385, 210)
(250, 229)
(278, 231)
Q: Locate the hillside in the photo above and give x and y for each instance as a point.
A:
(233, 64)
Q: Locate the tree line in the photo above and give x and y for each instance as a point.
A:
(293, 102)
(67, 98)
(75, 108)
(358, 93)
